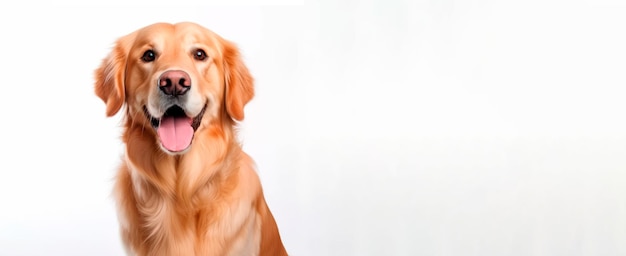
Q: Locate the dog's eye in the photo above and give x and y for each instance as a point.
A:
(200, 55)
(148, 56)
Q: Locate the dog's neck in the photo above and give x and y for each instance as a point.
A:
(179, 176)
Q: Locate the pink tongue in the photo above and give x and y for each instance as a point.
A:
(175, 133)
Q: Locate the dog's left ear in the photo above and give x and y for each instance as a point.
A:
(110, 76)
(238, 82)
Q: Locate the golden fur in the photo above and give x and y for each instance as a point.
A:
(206, 200)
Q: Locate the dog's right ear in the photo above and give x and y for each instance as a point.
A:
(110, 76)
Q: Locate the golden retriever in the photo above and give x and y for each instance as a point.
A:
(184, 187)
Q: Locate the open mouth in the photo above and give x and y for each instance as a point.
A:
(175, 129)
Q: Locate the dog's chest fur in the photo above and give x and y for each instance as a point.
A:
(206, 224)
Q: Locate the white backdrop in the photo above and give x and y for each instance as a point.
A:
(445, 127)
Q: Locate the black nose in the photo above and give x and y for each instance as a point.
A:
(174, 82)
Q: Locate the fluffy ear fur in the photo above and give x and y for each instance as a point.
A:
(110, 76)
(239, 83)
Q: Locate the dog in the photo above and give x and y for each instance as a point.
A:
(185, 186)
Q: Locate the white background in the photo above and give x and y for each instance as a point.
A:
(441, 127)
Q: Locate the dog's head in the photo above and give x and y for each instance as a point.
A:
(174, 79)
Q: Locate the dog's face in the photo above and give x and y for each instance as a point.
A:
(175, 79)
